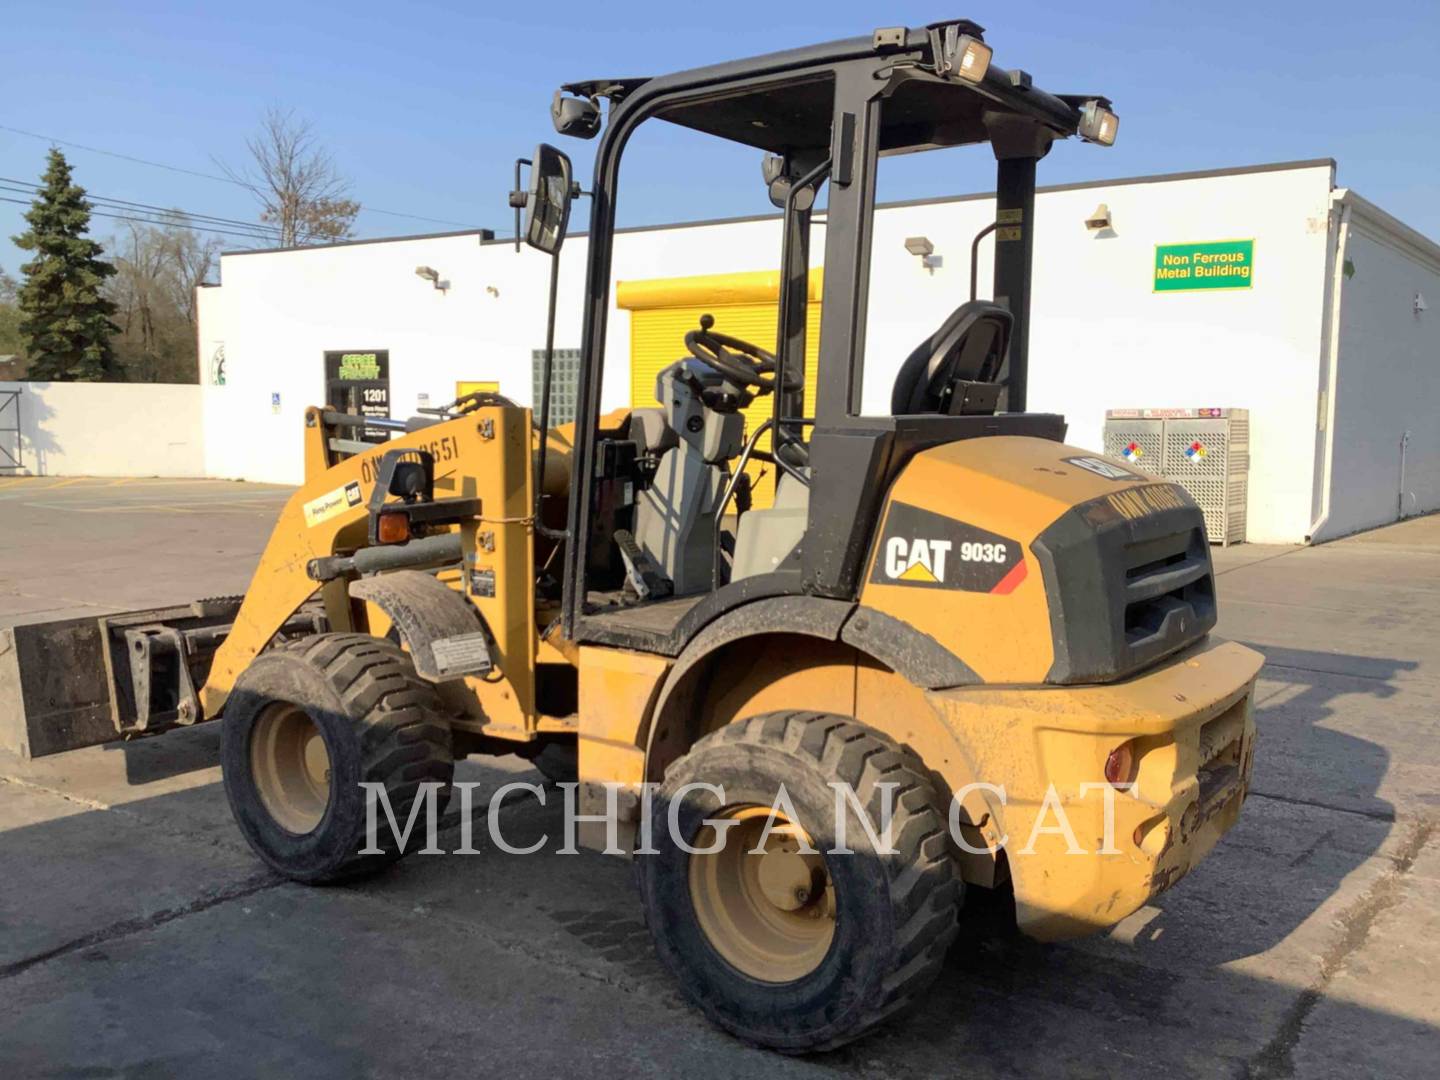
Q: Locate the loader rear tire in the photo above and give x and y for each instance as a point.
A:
(310, 721)
(792, 951)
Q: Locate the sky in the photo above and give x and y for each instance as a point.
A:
(425, 106)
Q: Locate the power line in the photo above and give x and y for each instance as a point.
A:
(122, 157)
(212, 176)
(23, 187)
(122, 209)
(147, 221)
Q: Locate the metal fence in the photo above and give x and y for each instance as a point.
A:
(10, 430)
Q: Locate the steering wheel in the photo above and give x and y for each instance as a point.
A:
(739, 361)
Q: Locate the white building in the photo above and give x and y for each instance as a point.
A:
(1326, 341)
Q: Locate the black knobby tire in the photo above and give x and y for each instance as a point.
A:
(380, 722)
(558, 761)
(895, 914)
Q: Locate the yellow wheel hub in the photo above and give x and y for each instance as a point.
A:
(766, 906)
(291, 767)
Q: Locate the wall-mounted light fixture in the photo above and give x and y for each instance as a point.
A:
(1420, 304)
(921, 246)
(1099, 219)
(430, 274)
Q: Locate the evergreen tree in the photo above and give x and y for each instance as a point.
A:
(65, 322)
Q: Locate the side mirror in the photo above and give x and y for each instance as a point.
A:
(547, 203)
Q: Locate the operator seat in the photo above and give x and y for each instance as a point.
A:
(955, 370)
(675, 514)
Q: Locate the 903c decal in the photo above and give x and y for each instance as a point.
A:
(929, 550)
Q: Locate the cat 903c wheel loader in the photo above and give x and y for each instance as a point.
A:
(945, 609)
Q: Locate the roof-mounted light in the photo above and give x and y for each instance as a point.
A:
(974, 60)
(960, 56)
(1098, 124)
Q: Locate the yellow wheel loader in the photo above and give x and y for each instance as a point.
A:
(952, 653)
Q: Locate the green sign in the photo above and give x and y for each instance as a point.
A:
(1214, 264)
(360, 366)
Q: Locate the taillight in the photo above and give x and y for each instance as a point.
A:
(1120, 765)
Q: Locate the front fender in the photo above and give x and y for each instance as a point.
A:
(445, 635)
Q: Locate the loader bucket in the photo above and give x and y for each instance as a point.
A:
(81, 682)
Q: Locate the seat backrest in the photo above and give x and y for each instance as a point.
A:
(765, 538)
(969, 347)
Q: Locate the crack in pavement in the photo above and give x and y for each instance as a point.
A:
(1276, 1060)
(126, 927)
(209, 838)
(78, 800)
(205, 901)
(1373, 815)
(1257, 562)
(1387, 679)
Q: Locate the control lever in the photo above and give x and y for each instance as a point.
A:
(642, 577)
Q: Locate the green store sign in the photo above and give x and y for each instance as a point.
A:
(360, 366)
(1216, 264)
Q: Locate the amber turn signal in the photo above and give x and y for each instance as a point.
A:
(393, 528)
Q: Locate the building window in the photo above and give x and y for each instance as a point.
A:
(564, 384)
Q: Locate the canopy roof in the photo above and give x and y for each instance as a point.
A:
(783, 102)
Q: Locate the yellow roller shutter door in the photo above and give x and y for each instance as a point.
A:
(663, 311)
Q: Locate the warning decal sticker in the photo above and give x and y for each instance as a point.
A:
(923, 548)
(1101, 467)
(324, 507)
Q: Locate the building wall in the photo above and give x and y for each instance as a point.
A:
(277, 314)
(110, 429)
(1387, 377)
(1101, 338)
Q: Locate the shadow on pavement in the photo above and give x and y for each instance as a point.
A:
(1213, 980)
(223, 955)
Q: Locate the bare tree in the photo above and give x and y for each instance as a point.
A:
(9, 315)
(158, 268)
(192, 258)
(303, 197)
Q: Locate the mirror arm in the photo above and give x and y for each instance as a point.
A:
(517, 200)
(545, 374)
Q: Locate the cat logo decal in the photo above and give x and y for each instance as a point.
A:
(920, 547)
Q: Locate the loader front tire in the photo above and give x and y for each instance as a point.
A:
(790, 950)
(306, 725)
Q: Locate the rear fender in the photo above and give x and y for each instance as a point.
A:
(802, 653)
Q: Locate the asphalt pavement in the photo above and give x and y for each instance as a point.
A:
(139, 936)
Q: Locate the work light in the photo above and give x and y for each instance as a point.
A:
(971, 59)
(1098, 124)
(962, 56)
